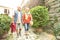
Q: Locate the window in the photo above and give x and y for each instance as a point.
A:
(6, 11)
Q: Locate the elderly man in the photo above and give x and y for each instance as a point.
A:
(17, 17)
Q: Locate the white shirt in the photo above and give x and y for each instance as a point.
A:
(19, 18)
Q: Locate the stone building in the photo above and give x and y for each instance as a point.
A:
(54, 8)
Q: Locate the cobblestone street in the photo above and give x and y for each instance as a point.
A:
(33, 36)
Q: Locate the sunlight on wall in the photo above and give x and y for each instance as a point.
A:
(25, 2)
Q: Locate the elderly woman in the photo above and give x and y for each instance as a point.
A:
(26, 19)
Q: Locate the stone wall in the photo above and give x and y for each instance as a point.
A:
(54, 8)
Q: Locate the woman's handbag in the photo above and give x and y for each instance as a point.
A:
(31, 23)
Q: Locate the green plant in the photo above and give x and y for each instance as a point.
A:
(40, 16)
(4, 23)
(57, 29)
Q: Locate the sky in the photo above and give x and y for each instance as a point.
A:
(12, 3)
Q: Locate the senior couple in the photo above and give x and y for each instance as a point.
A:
(20, 18)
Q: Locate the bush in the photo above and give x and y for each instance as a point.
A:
(40, 16)
(4, 23)
(57, 29)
